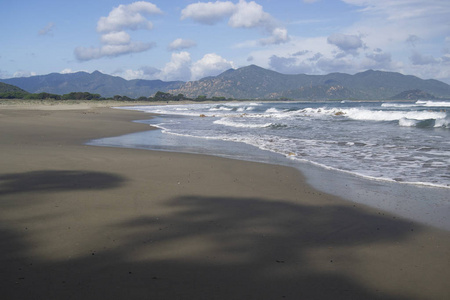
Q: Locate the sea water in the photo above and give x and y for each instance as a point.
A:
(388, 144)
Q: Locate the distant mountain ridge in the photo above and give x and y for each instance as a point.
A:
(251, 82)
(95, 83)
(257, 82)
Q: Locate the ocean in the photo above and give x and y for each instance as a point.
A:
(393, 144)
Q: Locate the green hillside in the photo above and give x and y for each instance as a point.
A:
(8, 91)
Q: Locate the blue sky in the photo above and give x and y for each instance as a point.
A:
(188, 40)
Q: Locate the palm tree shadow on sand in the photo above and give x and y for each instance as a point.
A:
(199, 248)
(60, 180)
(212, 248)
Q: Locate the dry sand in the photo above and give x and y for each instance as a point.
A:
(85, 222)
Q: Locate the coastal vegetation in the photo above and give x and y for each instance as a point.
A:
(159, 96)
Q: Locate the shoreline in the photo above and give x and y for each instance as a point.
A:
(87, 222)
(424, 203)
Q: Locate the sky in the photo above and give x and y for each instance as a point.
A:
(188, 40)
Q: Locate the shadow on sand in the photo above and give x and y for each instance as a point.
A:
(204, 248)
(52, 181)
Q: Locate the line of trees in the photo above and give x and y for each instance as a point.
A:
(49, 96)
(159, 96)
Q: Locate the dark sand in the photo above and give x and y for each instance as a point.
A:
(85, 222)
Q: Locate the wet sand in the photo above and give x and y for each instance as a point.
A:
(86, 222)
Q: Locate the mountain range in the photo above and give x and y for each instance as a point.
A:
(95, 83)
(251, 82)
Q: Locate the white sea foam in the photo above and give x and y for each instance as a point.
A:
(407, 122)
(272, 110)
(242, 109)
(382, 115)
(430, 103)
(398, 105)
(362, 114)
(442, 123)
(369, 145)
(230, 123)
(221, 108)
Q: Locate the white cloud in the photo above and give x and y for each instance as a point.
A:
(128, 17)
(179, 68)
(24, 73)
(279, 35)
(249, 15)
(115, 40)
(47, 30)
(393, 26)
(145, 72)
(208, 13)
(346, 43)
(210, 65)
(420, 59)
(241, 15)
(180, 44)
(110, 50)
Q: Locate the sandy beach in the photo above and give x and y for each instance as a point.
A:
(86, 222)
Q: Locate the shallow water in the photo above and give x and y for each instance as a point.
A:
(394, 156)
(408, 142)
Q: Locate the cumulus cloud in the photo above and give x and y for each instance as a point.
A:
(420, 59)
(114, 39)
(24, 73)
(181, 44)
(111, 50)
(128, 17)
(179, 68)
(208, 13)
(47, 30)
(210, 65)
(145, 72)
(278, 36)
(249, 15)
(346, 43)
(241, 15)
